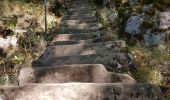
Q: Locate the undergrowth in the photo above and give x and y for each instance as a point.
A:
(27, 15)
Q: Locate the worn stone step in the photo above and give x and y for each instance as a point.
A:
(112, 61)
(82, 91)
(88, 41)
(81, 6)
(84, 49)
(89, 73)
(79, 21)
(80, 3)
(78, 17)
(81, 36)
(81, 10)
(83, 26)
(81, 13)
(90, 13)
(69, 30)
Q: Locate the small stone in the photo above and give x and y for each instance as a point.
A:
(119, 66)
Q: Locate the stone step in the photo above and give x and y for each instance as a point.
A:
(80, 3)
(82, 91)
(81, 13)
(83, 26)
(80, 6)
(81, 36)
(88, 41)
(84, 49)
(81, 10)
(112, 61)
(78, 17)
(76, 31)
(79, 21)
(89, 73)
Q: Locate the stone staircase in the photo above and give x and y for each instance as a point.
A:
(80, 64)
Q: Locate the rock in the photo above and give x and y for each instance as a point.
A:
(20, 30)
(105, 2)
(164, 19)
(151, 39)
(9, 41)
(148, 8)
(113, 16)
(133, 25)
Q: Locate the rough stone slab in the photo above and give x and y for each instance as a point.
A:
(82, 9)
(84, 49)
(70, 37)
(111, 60)
(69, 30)
(87, 41)
(83, 91)
(83, 26)
(84, 15)
(89, 73)
(79, 14)
(77, 21)
(80, 4)
(79, 18)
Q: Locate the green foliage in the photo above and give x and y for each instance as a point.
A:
(145, 74)
(152, 63)
(167, 98)
(12, 21)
